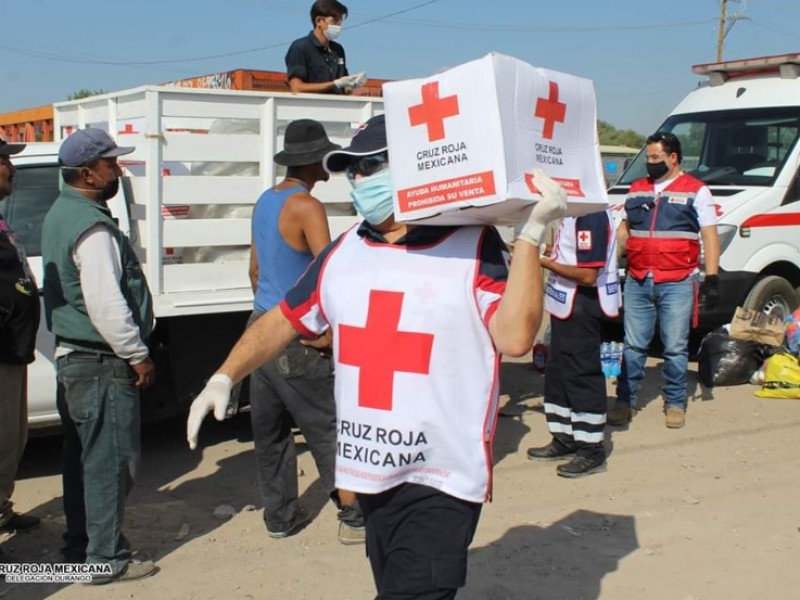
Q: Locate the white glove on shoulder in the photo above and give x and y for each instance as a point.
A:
(215, 396)
(347, 82)
(551, 207)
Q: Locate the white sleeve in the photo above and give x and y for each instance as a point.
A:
(98, 260)
(704, 205)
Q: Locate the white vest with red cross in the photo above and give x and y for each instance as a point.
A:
(560, 292)
(664, 229)
(416, 381)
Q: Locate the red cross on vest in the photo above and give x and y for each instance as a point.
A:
(380, 350)
(551, 110)
(433, 111)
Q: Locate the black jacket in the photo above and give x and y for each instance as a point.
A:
(19, 302)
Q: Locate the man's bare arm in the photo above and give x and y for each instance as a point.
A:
(580, 275)
(519, 312)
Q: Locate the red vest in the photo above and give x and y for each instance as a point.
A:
(664, 229)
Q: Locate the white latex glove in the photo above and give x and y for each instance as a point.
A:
(348, 82)
(361, 79)
(551, 207)
(215, 396)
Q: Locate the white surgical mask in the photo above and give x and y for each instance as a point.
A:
(333, 32)
(372, 196)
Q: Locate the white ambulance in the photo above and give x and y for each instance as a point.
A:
(739, 133)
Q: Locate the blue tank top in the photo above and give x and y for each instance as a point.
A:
(279, 265)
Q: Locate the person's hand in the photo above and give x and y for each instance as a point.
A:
(323, 342)
(348, 82)
(709, 291)
(552, 206)
(360, 79)
(145, 373)
(215, 396)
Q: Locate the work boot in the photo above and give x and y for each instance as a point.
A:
(555, 450)
(352, 529)
(281, 530)
(621, 414)
(133, 570)
(675, 417)
(581, 466)
(20, 522)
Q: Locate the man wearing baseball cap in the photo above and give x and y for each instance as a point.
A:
(19, 320)
(99, 308)
(420, 316)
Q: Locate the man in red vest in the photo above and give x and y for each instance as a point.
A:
(666, 215)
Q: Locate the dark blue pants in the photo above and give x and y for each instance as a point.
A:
(294, 388)
(99, 407)
(417, 541)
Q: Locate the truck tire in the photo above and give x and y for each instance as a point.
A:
(772, 295)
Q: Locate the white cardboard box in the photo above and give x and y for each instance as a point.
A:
(464, 143)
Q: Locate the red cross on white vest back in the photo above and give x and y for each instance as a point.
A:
(551, 110)
(433, 111)
(380, 350)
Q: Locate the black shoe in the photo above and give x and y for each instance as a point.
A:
(19, 522)
(553, 451)
(580, 466)
(281, 530)
(73, 556)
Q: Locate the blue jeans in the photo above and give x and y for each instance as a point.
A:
(672, 304)
(99, 407)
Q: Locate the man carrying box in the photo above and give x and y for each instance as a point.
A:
(420, 316)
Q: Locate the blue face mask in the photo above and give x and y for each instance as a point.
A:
(372, 196)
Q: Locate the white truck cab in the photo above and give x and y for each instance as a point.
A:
(739, 133)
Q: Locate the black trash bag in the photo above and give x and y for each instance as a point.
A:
(723, 360)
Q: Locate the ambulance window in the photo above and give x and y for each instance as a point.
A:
(793, 193)
(735, 148)
(35, 190)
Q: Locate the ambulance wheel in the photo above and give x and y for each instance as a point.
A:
(772, 295)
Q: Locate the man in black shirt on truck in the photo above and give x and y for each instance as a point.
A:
(316, 63)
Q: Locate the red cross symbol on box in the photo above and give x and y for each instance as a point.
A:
(380, 350)
(433, 111)
(584, 236)
(551, 110)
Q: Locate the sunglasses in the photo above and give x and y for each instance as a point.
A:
(367, 165)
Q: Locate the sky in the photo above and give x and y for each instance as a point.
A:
(638, 53)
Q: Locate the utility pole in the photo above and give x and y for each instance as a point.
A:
(723, 19)
(726, 23)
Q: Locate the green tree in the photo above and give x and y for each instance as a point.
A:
(611, 136)
(84, 93)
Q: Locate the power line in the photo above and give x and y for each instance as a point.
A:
(144, 63)
(417, 23)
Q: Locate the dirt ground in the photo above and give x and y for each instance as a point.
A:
(711, 511)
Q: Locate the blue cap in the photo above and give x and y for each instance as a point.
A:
(369, 138)
(87, 145)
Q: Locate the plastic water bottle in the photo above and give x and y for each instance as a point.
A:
(539, 356)
(605, 358)
(616, 358)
